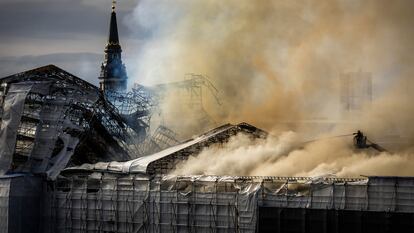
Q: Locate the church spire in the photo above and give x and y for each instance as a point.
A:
(113, 28)
(113, 73)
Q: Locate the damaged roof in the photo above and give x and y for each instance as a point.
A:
(51, 119)
(165, 160)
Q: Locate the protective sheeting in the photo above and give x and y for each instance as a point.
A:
(329, 194)
(24, 205)
(62, 159)
(107, 202)
(49, 130)
(391, 194)
(4, 205)
(50, 118)
(12, 113)
(29, 209)
(169, 204)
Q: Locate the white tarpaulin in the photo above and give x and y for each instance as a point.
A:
(12, 112)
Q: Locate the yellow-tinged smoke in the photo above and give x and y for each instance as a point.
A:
(276, 156)
(277, 63)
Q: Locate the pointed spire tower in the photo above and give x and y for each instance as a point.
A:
(113, 73)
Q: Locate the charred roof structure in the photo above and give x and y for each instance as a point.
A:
(165, 161)
(50, 119)
(191, 93)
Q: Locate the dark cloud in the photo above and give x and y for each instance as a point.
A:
(68, 33)
(55, 19)
(85, 65)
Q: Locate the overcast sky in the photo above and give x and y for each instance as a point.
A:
(69, 33)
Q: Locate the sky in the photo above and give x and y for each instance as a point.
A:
(69, 33)
(271, 60)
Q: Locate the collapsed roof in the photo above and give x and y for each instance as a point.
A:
(51, 119)
(165, 161)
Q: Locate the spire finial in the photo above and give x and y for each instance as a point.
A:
(113, 5)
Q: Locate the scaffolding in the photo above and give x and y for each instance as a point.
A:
(104, 202)
(51, 119)
(161, 139)
(135, 204)
(141, 103)
(191, 93)
(136, 108)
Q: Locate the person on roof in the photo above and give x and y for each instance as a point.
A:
(360, 140)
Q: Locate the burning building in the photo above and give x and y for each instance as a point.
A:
(140, 196)
(51, 118)
(78, 158)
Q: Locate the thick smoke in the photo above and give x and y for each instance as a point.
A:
(280, 156)
(277, 63)
(274, 61)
